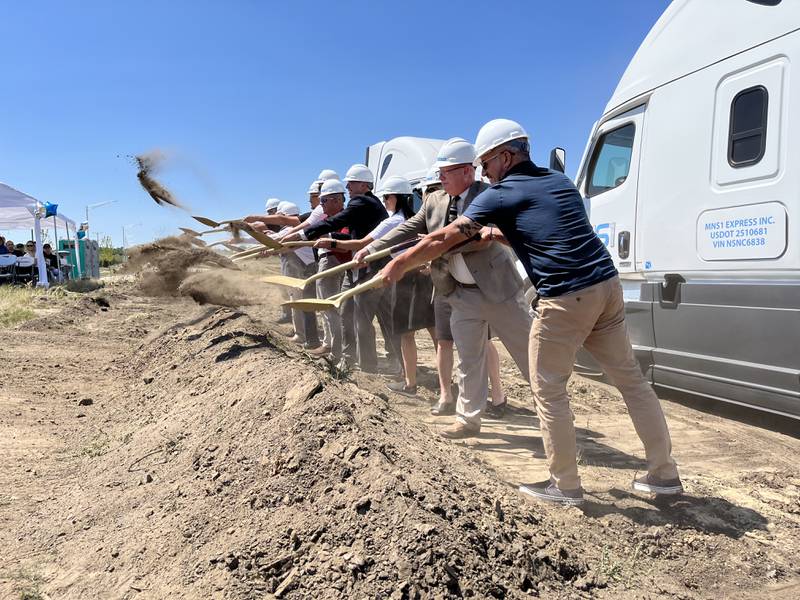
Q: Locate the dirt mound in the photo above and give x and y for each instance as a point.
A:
(165, 263)
(240, 470)
(207, 459)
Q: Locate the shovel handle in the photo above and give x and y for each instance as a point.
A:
(299, 244)
(248, 252)
(373, 283)
(367, 259)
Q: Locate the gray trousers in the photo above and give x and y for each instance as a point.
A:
(472, 315)
(331, 320)
(365, 308)
(305, 323)
(347, 312)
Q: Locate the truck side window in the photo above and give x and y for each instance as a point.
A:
(611, 160)
(747, 137)
(385, 165)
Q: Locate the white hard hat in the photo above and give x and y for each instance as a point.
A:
(431, 178)
(288, 208)
(394, 185)
(326, 174)
(330, 187)
(272, 203)
(361, 173)
(496, 133)
(455, 151)
(314, 187)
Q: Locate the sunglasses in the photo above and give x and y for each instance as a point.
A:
(486, 161)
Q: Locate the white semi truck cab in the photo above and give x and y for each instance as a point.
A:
(692, 180)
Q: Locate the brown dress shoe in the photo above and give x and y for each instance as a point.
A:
(320, 351)
(459, 431)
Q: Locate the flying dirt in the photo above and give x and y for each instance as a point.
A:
(165, 263)
(148, 164)
(223, 287)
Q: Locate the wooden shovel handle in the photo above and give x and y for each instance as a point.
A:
(367, 259)
(299, 244)
(373, 283)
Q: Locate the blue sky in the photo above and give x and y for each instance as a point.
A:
(253, 98)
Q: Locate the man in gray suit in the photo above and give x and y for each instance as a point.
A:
(479, 281)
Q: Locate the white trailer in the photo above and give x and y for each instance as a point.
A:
(406, 156)
(692, 180)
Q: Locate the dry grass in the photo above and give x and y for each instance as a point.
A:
(15, 305)
(20, 303)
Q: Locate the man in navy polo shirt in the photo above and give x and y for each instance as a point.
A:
(540, 214)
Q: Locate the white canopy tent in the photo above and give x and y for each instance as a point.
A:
(20, 211)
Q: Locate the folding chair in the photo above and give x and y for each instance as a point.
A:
(25, 270)
(8, 262)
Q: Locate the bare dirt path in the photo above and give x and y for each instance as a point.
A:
(161, 449)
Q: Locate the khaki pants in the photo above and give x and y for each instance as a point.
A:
(473, 313)
(595, 318)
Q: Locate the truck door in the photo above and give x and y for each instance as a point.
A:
(610, 185)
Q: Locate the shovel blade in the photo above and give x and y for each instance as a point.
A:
(260, 237)
(206, 221)
(286, 281)
(312, 305)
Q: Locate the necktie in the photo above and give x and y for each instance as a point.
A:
(452, 209)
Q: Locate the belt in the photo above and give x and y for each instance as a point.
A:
(469, 286)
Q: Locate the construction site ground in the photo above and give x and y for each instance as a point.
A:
(151, 447)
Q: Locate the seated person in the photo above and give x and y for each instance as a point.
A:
(50, 257)
(19, 250)
(30, 247)
(3, 248)
(51, 260)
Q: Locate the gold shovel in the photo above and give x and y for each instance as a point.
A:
(294, 282)
(247, 254)
(210, 222)
(299, 244)
(194, 233)
(260, 237)
(334, 302)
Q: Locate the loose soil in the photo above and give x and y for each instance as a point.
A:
(152, 447)
(165, 263)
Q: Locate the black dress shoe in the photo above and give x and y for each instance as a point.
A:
(443, 409)
(496, 411)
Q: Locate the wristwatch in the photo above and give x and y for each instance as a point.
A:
(333, 243)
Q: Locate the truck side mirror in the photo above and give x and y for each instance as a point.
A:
(558, 160)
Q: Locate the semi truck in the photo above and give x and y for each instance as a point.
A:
(692, 180)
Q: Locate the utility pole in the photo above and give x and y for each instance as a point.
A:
(97, 205)
(125, 236)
